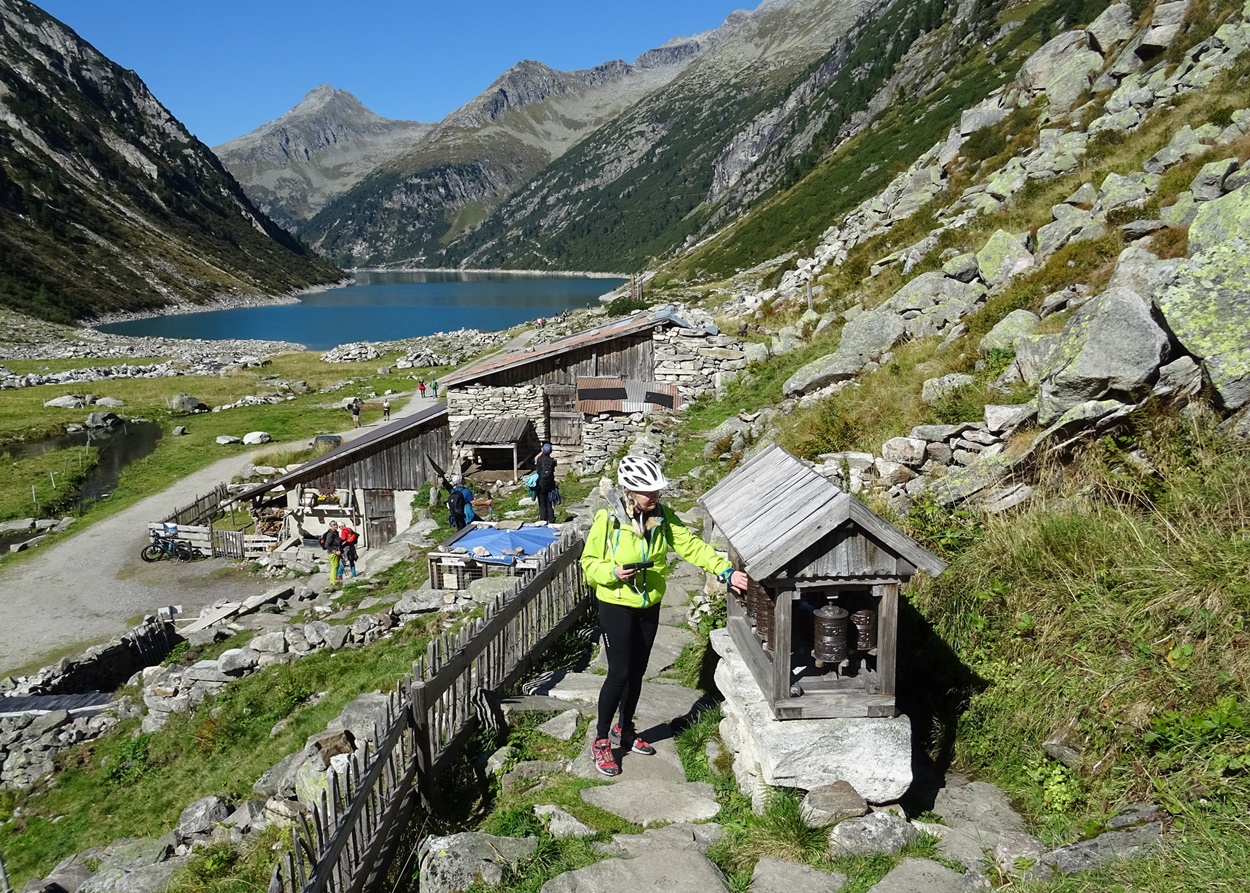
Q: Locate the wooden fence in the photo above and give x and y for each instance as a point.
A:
(203, 507)
(348, 842)
(218, 543)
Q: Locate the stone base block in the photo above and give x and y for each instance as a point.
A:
(872, 754)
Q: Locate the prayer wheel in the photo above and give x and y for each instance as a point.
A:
(865, 623)
(830, 638)
(760, 609)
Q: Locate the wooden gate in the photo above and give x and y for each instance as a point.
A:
(379, 510)
(564, 422)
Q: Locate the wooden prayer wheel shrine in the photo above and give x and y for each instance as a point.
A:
(819, 628)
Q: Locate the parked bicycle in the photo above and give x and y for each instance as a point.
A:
(169, 546)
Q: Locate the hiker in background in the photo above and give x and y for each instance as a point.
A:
(354, 408)
(459, 503)
(386, 409)
(545, 485)
(434, 388)
(333, 545)
(625, 559)
(349, 538)
(421, 388)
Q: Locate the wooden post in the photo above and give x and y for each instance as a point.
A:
(887, 636)
(783, 624)
(421, 732)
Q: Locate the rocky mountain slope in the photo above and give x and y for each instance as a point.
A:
(107, 203)
(647, 183)
(454, 177)
(318, 150)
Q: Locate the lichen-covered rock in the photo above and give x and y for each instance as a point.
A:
(455, 863)
(1205, 306)
(871, 835)
(1003, 257)
(864, 339)
(1208, 185)
(1112, 27)
(1112, 347)
(1008, 331)
(935, 389)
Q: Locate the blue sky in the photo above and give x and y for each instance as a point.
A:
(226, 67)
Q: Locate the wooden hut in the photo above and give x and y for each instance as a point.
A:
(819, 628)
(587, 393)
(368, 482)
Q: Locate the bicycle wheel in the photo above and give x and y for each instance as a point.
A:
(196, 554)
(182, 551)
(152, 552)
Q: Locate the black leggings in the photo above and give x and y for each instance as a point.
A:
(628, 634)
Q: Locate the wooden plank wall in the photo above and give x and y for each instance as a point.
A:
(401, 466)
(347, 842)
(631, 357)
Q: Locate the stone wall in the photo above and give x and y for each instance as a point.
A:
(480, 401)
(102, 667)
(697, 362)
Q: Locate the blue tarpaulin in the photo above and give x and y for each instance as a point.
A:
(501, 545)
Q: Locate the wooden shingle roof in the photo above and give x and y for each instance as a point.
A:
(621, 328)
(773, 508)
(483, 430)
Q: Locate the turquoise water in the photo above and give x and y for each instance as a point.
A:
(386, 307)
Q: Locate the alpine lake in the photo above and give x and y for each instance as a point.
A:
(387, 306)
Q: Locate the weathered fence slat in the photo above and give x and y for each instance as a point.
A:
(359, 823)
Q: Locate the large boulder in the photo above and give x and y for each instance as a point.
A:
(1112, 27)
(255, 438)
(931, 304)
(187, 403)
(69, 401)
(1205, 301)
(1008, 331)
(1112, 347)
(457, 862)
(864, 339)
(1003, 257)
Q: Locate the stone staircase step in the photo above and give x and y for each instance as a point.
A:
(650, 801)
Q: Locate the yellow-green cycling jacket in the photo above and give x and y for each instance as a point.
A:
(610, 544)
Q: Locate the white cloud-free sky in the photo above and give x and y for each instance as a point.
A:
(226, 67)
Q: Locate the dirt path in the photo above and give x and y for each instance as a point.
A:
(87, 587)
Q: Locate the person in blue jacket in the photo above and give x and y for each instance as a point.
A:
(635, 530)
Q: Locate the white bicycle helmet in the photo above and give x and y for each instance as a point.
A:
(640, 474)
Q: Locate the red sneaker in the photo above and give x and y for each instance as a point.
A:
(629, 735)
(605, 762)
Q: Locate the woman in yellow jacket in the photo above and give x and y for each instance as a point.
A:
(625, 559)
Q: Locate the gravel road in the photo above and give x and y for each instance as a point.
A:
(89, 586)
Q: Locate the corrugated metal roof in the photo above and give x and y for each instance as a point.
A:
(509, 429)
(773, 506)
(639, 322)
(596, 395)
(342, 456)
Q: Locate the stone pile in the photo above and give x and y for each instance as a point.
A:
(440, 349)
(28, 742)
(178, 689)
(284, 793)
(221, 364)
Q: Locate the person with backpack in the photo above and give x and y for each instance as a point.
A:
(333, 545)
(349, 539)
(545, 485)
(625, 560)
(460, 504)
